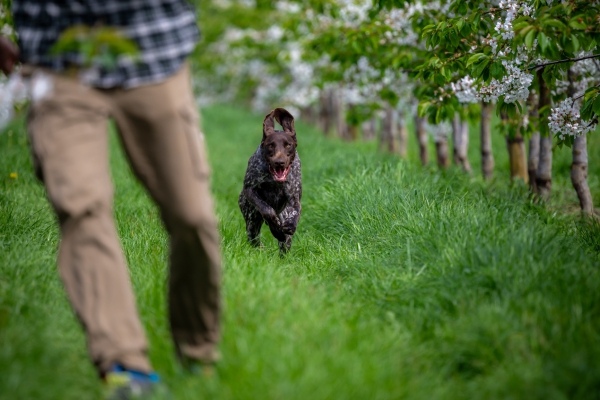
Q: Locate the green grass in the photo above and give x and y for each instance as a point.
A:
(403, 282)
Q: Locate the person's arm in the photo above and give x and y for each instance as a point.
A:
(9, 55)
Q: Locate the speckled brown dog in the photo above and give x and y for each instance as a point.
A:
(273, 183)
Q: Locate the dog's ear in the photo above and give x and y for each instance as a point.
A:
(286, 120)
(268, 125)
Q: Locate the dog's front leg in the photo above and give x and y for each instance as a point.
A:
(267, 212)
(290, 217)
(289, 222)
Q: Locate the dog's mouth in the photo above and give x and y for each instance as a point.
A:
(279, 173)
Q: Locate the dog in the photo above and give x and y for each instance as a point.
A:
(273, 183)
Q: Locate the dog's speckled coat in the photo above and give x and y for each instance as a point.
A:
(264, 199)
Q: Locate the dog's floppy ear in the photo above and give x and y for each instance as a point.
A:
(286, 120)
(268, 125)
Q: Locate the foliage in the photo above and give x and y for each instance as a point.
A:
(97, 46)
(447, 54)
(6, 20)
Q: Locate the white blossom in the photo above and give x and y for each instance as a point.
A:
(514, 86)
(565, 120)
(464, 90)
(274, 33)
(287, 7)
(353, 12)
(16, 90)
(439, 132)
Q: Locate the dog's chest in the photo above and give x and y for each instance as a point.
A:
(274, 194)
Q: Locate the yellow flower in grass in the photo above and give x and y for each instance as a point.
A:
(14, 175)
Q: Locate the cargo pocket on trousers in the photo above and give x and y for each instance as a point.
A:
(196, 145)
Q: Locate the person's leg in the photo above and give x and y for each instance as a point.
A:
(159, 127)
(70, 150)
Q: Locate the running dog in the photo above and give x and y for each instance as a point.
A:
(273, 183)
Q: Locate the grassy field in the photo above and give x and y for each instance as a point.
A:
(403, 281)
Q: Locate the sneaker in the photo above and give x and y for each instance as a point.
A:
(127, 384)
(203, 363)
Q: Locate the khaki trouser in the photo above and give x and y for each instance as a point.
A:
(159, 128)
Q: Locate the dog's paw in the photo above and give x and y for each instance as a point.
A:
(271, 219)
(289, 228)
(278, 233)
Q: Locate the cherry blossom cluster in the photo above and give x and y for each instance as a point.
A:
(399, 20)
(5, 29)
(439, 132)
(565, 120)
(465, 91)
(286, 80)
(514, 86)
(353, 12)
(17, 90)
(363, 84)
(287, 7)
(513, 9)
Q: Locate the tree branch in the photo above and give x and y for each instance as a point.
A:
(564, 61)
(579, 97)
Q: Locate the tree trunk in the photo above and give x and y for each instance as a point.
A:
(326, 110)
(352, 132)
(340, 114)
(534, 147)
(388, 131)
(579, 167)
(533, 161)
(579, 172)
(441, 151)
(422, 139)
(460, 142)
(369, 129)
(543, 174)
(402, 135)
(517, 157)
(307, 114)
(487, 158)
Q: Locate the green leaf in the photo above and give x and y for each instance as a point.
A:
(557, 24)
(439, 79)
(574, 23)
(528, 28)
(587, 109)
(511, 110)
(529, 39)
(543, 41)
(520, 25)
(596, 106)
(477, 71)
(475, 58)
(499, 106)
(423, 107)
(575, 42)
(428, 28)
(454, 39)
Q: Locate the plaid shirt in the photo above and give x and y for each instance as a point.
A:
(164, 30)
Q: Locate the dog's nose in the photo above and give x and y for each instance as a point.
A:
(279, 163)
